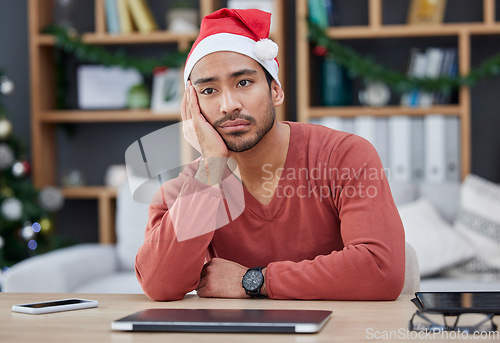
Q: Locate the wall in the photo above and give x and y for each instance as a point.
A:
(76, 150)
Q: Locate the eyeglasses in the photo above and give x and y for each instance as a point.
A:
(437, 322)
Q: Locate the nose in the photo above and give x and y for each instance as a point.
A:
(229, 103)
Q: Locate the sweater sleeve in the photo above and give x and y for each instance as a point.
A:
(371, 264)
(183, 216)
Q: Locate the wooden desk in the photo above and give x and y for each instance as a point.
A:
(350, 321)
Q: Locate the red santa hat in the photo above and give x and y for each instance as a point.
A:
(245, 31)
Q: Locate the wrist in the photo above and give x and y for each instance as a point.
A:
(211, 170)
(263, 290)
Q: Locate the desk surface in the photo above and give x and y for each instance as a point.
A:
(350, 321)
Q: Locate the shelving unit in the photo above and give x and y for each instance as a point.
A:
(45, 117)
(376, 30)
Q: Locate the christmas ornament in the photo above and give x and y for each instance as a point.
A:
(32, 244)
(51, 199)
(19, 170)
(6, 192)
(6, 85)
(27, 232)
(5, 128)
(45, 225)
(36, 227)
(11, 209)
(6, 156)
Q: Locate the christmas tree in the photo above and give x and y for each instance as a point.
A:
(26, 213)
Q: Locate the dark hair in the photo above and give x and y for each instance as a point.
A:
(269, 78)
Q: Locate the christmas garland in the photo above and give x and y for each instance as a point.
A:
(367, 69)
(96, 54)
(325, 46)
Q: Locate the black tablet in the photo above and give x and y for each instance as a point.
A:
(458, 302)
(224, 320)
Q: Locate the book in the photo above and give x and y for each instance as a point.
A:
(449, 68)
(112, 17)
(416, 68)
(318, 13)
(126, 25)
(434, 59)
(142, 16)
(336, 85)
(332, 12)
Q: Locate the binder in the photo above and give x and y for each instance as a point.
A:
(417, 147)
(332, 122)
(382, 140)
(400, 149)
(364, 126)
(435, 143)
(452, 138)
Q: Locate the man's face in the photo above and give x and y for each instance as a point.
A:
(235, 98)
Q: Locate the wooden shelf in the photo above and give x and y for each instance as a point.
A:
(79, 116)
(45, 117)
(89, 192)
(399, 31)
(132, 38)
(353, 111)
(375, 29)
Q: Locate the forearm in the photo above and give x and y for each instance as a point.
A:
(362, 272)
(182, 219)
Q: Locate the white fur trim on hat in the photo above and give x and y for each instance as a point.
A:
(266, 49)
(234, 43)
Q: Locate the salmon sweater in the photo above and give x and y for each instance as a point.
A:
(331, 230)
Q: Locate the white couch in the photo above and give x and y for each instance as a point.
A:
(445, 249)
(88, 268)
(96, 268)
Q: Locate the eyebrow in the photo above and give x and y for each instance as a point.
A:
(231, 75)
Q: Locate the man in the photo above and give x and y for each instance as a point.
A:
(306, 213)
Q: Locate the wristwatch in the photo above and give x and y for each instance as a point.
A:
(252, 282)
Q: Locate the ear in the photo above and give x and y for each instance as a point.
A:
(277, 94)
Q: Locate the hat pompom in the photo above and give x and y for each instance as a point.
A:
(266, 49)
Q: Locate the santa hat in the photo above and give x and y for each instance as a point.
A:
(245, 31)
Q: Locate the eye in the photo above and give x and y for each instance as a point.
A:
(244, 83)
(207, 91)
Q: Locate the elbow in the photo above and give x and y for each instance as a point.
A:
(161, 290)
(163, 294)
(388, 283)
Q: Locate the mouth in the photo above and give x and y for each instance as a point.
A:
(234, 125)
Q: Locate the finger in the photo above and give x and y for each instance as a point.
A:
(204, 269)
(183, 107)
(195, 111)
(202, 283)
(189, 97)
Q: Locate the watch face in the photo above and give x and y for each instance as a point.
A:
(252, 280)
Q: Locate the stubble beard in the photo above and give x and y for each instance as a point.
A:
(239, 144)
